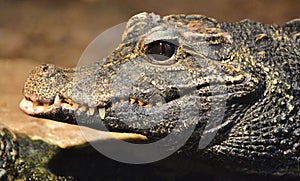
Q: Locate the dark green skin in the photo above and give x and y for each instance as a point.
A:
(258, 64)
(24, 159)
(8, 151)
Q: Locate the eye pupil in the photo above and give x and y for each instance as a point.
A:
(161, 50)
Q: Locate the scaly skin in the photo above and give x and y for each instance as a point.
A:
(24, 159)
(8, 151)
(246, 73)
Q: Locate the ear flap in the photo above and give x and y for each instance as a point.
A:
(293, 28)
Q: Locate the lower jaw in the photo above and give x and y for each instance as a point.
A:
(62, 114)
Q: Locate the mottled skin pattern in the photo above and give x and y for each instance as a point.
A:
(8, 151)
(24, 159)
(257, 66)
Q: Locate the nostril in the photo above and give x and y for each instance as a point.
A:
(44, 69)
(47, 67)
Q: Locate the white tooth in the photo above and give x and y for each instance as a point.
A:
(101, 113)
(57, 101)
(75, 106)
(91, 111)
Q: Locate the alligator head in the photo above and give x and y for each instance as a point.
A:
(164, 70)
(178, 72)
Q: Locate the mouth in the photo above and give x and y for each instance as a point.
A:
(59, 109)
(66, 110)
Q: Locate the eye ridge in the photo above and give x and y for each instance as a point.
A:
(161, 50)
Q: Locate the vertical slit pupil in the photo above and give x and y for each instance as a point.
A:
(161, 50)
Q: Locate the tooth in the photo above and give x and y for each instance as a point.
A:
(57, 101)
(101, 113)
(82, 109)
(91, 111)
(75, 106)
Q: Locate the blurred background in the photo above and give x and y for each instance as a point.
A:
(49, 31)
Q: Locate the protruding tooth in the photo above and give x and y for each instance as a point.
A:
(57, 101)
(82, 109)
(101, 113)
(91, 111)
(75, 106)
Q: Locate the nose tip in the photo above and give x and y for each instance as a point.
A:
(44, 82)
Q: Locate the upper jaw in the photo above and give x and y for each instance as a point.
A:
(66, 110)
(60, 109)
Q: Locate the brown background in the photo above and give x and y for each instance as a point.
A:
(57, 31)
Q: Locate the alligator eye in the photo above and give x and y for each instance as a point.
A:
(161, 51)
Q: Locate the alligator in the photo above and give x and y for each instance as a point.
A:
(238, 81)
